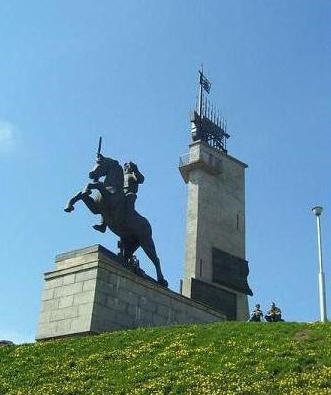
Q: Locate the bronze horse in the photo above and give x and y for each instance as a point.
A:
(133, 229)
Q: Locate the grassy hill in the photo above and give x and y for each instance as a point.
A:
(222, 358)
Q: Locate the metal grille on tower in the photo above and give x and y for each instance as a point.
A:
(208, 124)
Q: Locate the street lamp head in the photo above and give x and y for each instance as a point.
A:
(317, 210)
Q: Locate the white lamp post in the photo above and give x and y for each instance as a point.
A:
(321, 278)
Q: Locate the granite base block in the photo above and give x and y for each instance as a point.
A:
(91, 292)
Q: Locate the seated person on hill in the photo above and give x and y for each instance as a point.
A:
(257, 314)
(274, 314)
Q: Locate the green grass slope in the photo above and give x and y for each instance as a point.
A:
(221, 358)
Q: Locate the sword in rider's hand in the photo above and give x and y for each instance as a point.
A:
(95, 180)
(99, 147)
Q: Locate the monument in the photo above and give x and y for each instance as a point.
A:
(215, 270)
(93, 290)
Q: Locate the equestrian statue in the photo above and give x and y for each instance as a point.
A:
(114, 199)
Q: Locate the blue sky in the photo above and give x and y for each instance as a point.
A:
(70, 71)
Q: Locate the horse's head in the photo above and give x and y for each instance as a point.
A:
(102, 167)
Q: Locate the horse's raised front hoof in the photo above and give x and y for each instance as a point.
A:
(100, 228)
(69, 208)
(163, 282)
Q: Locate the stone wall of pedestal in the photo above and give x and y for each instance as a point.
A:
(91, 292)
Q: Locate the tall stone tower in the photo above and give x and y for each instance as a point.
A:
(216, 269)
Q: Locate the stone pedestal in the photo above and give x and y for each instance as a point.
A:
(91, 292)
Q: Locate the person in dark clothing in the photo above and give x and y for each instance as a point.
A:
(274, 314)
(257, 314)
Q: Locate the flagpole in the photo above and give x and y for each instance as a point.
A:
(201, 92)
